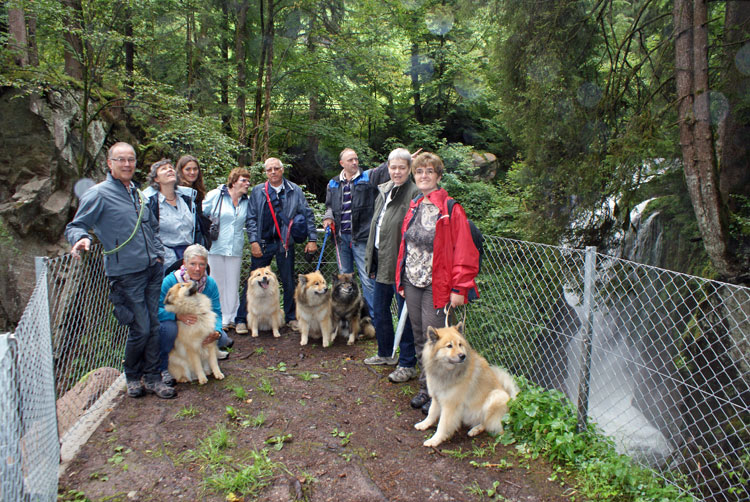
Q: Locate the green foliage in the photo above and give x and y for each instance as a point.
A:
(189, 411)
(545, 422)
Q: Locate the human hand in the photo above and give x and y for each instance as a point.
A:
(311, 247)
(255, 250)
(414, 155)
(211, 338)
(83, 244)
(187, 318)
(456, 300)
(327, 223)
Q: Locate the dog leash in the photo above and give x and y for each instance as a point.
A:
(332, 227)
(323, 247)
(447, 311)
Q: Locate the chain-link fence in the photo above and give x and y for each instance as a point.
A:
(659, 360)
(29, 450)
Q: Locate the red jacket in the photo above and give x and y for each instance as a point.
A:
(455, 259)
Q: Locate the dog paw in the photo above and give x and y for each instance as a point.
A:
(350, 341)
(432, 442)
(255, 334)
(219, 376)
(421, 426)
(202, 380)
(276, 334)
(477, 429)
(303, 342)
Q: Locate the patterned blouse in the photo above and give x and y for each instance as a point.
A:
(419, 238)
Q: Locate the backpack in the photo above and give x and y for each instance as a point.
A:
(476, 234)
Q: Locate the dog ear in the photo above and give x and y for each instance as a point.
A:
(302, 279)
(193, 288)
(460, 327)
(432, 334)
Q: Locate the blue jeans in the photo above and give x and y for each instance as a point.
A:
(136, 300)
(384, 326)
(167, 336)
(285, 264)
(351, 253)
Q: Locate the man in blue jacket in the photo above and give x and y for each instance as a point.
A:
(275, 206)
(350, 198)
(117, 213)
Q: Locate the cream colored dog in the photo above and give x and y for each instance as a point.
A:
(263, 310)
(190, 358)
(464, 388)
(313, 300)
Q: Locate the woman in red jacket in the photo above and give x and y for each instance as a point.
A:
(437, 259)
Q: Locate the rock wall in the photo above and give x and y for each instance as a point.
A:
(39, 145)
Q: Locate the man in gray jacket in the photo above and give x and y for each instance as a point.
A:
(117, 213)
(277, 209)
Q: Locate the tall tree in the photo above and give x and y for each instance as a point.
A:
(240, 42)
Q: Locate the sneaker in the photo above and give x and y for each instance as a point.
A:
(379, 360)
(426, 407)
(222, 354)
(135, 388)
(241, 328)
(293, 325)
(159, 388)
(402, 374)
(420, 399)
(227, 327)
(167, 378)
(228, 345)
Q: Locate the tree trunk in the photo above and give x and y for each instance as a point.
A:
(239, 50)
(17, 36)
(415, 83)
(189, 60)
(696, 139)
(73, 53)
(269, 75)
(259, 84)
(226, 117)
(129, 54)
(734, 132)
(31, 39)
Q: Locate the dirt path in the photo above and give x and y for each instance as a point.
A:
(348, 436)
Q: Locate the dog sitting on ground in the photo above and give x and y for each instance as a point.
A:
(464, 388)
(263, 310)
(313, 299)
(349, 310)
(190, 358)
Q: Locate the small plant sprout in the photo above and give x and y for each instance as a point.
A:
(344, 436)
(278, 441)
(259, 351)
(266, 387)
(307, 376)
(279, 367)
(189, 411)
(238, 391)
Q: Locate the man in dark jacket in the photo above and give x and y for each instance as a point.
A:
(350, 198)
(275, 206)
(117, 213)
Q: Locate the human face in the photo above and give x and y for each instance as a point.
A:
(242, 185)
(122, 163)
(190, 172)
(274, 173)
(166, 175)
(350, 162)
(399, 171)
(196, 267)
(426, 179)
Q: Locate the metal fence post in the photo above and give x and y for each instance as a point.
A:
(586, 342)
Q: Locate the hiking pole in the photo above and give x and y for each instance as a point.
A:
(400, 329)
(323, 247)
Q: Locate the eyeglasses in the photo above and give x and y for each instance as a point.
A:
(273, 169)
(423, 172)
(243, 180)
(123, 160)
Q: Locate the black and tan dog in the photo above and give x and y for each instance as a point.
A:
(349, 310)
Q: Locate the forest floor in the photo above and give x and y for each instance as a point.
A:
(295, 423)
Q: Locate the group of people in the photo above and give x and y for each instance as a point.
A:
(398, 231)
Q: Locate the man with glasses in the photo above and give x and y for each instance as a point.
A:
(117, 213)
(277, 217)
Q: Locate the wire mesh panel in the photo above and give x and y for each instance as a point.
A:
(88, 342)
(28, 406)
(669, 368)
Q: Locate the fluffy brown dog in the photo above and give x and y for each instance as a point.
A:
(313, 300)
(263, 310)
(190, 358)
(350, 314)
(464, 388)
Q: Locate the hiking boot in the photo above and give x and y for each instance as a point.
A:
(227, 345)
(293, 325)
(221, 355)
(240, 329)
(402, 374)
(135, 388)
(159, 388)
(380, 360)
(167, 378)
(420, 399)
(426, 407)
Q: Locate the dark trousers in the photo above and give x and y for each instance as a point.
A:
(136, 300)
(423, 314)
(382, 298)
(285, 264)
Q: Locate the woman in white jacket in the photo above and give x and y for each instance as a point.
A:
(227, 204)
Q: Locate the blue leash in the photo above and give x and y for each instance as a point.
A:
(323, 247)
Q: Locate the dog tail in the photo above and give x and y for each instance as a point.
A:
(507, 382)
(366, 329)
